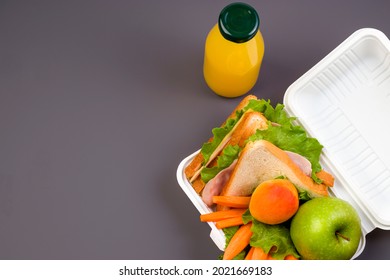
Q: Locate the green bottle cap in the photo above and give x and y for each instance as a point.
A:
(238, 22)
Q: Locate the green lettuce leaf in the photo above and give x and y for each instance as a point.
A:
(218, 134)
(304, 196)
(273, 238)
(228, 155)
(247, 217)
(276, 115)
(229, 232)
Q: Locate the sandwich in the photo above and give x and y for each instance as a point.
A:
(257, 142)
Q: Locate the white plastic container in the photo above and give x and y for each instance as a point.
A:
(344, 102)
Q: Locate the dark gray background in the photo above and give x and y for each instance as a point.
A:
(100, 101)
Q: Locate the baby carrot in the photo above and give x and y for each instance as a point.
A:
(290, 257)
(249, 255)
(238, 242)
(327, 178)
(232, 201)
(221, 215)
(229, 222)
(259, 254)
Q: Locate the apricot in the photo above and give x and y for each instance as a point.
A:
(274, 201)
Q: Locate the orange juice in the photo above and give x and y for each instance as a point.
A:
(234, 51)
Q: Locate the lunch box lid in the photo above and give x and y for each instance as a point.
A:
(344, 102)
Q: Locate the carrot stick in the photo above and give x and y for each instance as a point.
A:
(232, 201)
(238, 242)
(327, 178)
(290, 257)
(250, 254)
(259, 254)
(221, 215)
(229, 222)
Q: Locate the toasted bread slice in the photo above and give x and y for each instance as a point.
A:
(260, 161)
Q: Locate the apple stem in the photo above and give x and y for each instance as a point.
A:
(342, 236)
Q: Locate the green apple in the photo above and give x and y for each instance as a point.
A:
(326, 228)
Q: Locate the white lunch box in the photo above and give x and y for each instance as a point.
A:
(344, 102)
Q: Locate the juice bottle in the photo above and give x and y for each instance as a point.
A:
(234, 51)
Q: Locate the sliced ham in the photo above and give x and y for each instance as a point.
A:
(215, 185)
(302, 162)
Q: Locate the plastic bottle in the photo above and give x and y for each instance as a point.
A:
(234, 51)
